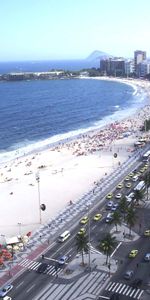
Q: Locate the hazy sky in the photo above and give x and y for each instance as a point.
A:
(67, 29)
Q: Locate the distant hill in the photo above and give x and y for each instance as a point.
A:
(97, 55)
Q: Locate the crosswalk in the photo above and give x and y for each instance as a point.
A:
(33, 265)
(124, 289)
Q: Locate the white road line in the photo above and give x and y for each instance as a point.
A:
(134, 290)
(31, 287)
(140, 294)
(125, 290)
(19, 284)
(112, 284)
(118, 287)
(129, 290)
(138, 290)
(116, 249)
(115, 287)
(34, 265)
(108, 285)
(124, 285)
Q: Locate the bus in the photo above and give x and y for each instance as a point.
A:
(64, 236)
(140, 186)
(146, 156)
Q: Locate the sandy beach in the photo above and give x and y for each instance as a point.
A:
(65, 171)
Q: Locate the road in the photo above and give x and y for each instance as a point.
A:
(30, 284)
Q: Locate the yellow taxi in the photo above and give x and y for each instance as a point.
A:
(131, 174)
(109, 196)
(82, 231)
(147, 232)
(84, 220)
(127, 178)
(133, 253)
(128, 185)
(97, 217)
(120, 186)
(142, 170)
(138, 174)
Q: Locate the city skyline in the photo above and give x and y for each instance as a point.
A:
(67, 29)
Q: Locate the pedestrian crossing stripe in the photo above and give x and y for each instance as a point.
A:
(33, 265)
(124, 289)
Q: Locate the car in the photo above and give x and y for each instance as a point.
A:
(118, 196)
(6, 288)
(128, 185)
(109, 205)
(84, 220)
(120, 186)
(142, 170)
(137, 283)
(131, 174)
(109, 196)
(133, 253)
(7, 298)
(147, 257)
(97, 217)
(42, 268)
(135, 178)
(127, 178)
(128, 274)
(147, 232)
(138, 174)
(82, 231)
(109, 218)
(115, 206)
(63, 260)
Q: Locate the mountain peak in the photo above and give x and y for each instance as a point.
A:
(96, 54)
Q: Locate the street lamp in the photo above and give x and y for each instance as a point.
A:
(89, 235)
(19, 224)
(37, 176)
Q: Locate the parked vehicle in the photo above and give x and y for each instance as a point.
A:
(42, 268)
(128, 275)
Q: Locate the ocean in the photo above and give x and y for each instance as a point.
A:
(37, 114)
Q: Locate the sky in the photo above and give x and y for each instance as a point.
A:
(72, 29)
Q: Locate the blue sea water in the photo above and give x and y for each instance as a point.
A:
(35, 114)
(44, 66)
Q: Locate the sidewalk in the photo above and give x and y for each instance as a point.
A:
(98, 259)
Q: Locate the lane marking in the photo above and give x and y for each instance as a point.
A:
(116, 249)
(19, 284)
(31, 287)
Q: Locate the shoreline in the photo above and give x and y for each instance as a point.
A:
(54, 141)
(66, 172)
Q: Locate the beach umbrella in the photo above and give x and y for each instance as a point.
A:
(9, 247)
(29, 233)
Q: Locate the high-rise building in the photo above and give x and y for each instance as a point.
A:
(139, 57)
(113, 66)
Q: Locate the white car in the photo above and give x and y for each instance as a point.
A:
(109, 218)
(147, 257)
(109, 205)
(63, 260)
(118, 196)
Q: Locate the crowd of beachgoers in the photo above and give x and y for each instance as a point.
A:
(65, 171)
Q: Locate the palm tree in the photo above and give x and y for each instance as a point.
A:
(138, 195)
(131, 218)
(123, 206)
(146, 179)
(116, 219)
(82, 245)
(107, 244)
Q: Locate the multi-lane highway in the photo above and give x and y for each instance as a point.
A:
(30, 283)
